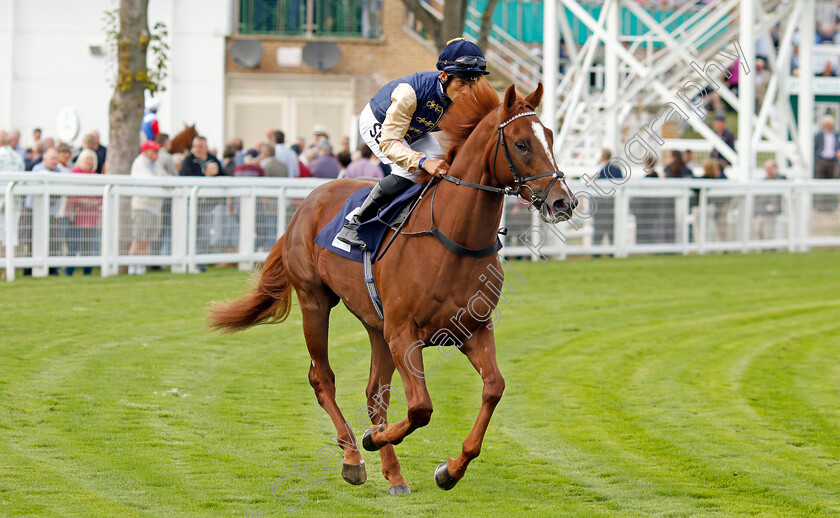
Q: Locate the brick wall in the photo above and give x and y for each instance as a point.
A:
(370, 63)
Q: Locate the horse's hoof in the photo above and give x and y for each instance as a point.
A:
(354, 474)
(444, 480)
(367, 441)
(399, 490)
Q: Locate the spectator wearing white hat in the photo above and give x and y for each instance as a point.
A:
(319, 133)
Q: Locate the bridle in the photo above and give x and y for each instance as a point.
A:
(520, 182)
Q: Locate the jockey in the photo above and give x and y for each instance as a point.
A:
(149, 127)
(396, 125)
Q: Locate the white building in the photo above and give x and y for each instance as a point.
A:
(49, 61)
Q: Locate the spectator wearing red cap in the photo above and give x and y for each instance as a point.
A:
(146, 212)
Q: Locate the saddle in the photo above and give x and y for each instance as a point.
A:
(372, 231)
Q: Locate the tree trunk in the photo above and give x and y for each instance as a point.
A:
(127, 103)
(486, 24)
(126, 108)
(454, 20)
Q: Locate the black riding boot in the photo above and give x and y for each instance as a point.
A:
(383, 192)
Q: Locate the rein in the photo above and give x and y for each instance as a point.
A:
(445, 240)
(519, 180)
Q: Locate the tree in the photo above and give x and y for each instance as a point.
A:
(486, 23)
(128, 31)
(453, 22)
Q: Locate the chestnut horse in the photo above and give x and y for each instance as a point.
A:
(183, 141)
(495, 149)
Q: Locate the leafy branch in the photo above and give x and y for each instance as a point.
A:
(120, 71)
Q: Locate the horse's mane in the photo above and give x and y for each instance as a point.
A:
(463, 117)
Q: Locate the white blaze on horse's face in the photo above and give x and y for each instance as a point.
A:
(539, 131)
(549, 211)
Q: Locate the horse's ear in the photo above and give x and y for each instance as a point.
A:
(510, 99)
(535, 97)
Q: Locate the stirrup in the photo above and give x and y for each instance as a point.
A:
(350, 235)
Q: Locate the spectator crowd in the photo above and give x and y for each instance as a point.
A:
(75, 220)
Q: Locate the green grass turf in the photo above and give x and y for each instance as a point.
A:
(653, 386)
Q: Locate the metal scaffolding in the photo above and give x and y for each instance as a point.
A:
(668, 66)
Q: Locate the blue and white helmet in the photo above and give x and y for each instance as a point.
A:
(462, 59)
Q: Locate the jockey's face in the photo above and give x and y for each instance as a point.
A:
(457, 86)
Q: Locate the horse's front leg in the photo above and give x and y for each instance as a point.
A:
(408, 358)
(480, 349)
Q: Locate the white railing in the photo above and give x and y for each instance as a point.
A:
(45, 225)
(649, 216)
(199, 220)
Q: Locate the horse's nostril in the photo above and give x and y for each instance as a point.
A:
(562, 205)
(574, 203)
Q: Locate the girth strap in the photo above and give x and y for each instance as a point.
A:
(371, 286)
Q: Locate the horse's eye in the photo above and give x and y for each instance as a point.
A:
(521, 146)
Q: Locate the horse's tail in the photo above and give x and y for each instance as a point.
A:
(268, 303)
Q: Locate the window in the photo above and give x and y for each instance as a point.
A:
(339, 18)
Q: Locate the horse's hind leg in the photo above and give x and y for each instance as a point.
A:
(379, 398)
(315, 308)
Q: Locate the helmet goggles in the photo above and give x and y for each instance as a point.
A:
(467, 63)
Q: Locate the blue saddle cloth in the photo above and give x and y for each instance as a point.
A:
(371, 231)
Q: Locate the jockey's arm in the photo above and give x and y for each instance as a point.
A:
(395, 126)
